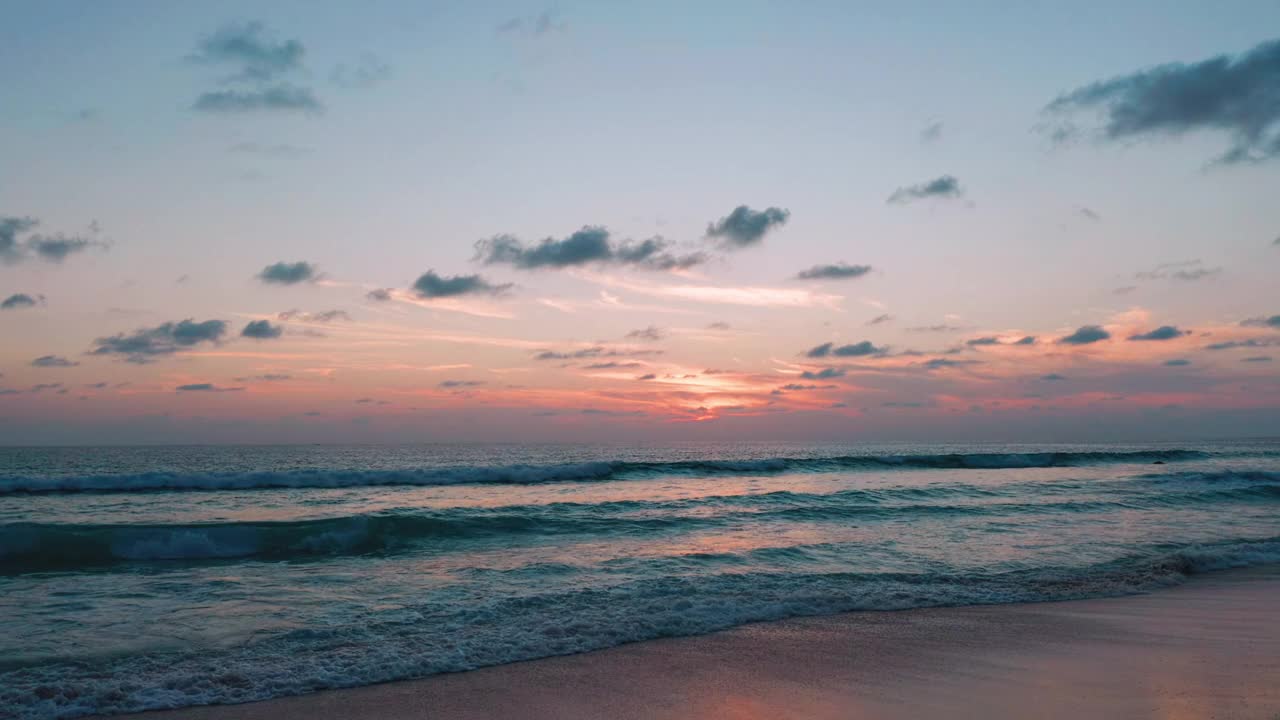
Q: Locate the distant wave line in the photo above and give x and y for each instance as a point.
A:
(35, 547)
(573, 472)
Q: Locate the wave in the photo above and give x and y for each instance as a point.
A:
(572, 472)
(427, 640)
(36, 547)
(41, 547)
(1210, 477)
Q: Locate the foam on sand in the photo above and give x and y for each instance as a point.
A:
(1210, 648)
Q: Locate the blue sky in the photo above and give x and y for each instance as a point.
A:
(437, 125)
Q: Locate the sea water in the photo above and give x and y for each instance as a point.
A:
(161, 577)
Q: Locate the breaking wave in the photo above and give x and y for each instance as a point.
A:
(36, 547)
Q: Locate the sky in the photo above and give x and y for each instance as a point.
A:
(613, 222)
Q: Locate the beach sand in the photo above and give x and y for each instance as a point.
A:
(1207, 649)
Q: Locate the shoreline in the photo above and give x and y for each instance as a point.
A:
(1209, 647)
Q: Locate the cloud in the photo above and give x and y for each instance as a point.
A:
(17, 301)
(1053, 377)
(459, 383)
(267, 377)
(976, 342)
(1177, 362)
(1164, 332)
(936, 363)
(431, 285)
(52, 361)
(573, 355)
(1085, 335)
(838, 271)
(590, 245)
(944, 328)
(1124, 290)
(797, 387)
(537, 25)
(248, 46)
(56, 248)
(1250, 343)
(1256, 359)
(861, 349)
(745, 227)
(823, 374)
(650, 376)
(931, 133)
(1028, 340)
(1271, 322)
(751, 296)
(609, 413)
(378, 295)
(40, 387)
(321, 317)
(1187, 271)
(651, 333)
(283, 273)
(365, 73)
(145, 344)
(718, 325)
(10, 229)
(943, 187)
(206, 387)
(283, 97)
(1195, 274)
(879, 319)
(50, 248)
(259, 62)
(592, 352)
(261, 330)
(1235, 96)
(612, 365)
(652, 254)
(1088, 214)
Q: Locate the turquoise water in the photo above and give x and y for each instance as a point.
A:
(136, 578)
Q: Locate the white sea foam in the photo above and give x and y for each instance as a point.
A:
(500, 630)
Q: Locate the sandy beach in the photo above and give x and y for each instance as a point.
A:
(1207, 649)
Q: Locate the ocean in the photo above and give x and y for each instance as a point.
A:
(162, 577)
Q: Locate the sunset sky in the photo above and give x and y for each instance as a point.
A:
(403, 221)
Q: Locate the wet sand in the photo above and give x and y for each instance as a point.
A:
(1207, 649)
